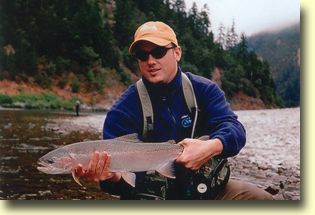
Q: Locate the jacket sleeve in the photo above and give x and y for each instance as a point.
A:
(124, 117)
(217, 118)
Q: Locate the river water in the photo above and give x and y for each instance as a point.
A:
(270, 159)
(26, 135)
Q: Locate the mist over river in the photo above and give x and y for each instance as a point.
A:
(270, 159)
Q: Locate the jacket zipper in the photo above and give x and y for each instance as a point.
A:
(172, 115)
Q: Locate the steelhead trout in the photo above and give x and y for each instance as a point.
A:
(128, 153)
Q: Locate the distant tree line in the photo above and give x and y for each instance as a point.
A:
(281, 50)
(91, 39)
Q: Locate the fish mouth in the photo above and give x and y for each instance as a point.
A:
(43, 167)
(48, 169)
(41, 163)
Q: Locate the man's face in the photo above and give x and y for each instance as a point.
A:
(159, 71)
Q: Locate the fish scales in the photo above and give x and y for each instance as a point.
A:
(119, 147)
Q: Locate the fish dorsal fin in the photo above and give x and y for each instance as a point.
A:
(167, 170)
(129, 138)
(171, 142)
(129, 177)
(205, 137)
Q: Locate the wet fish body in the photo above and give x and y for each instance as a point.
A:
(128, 153)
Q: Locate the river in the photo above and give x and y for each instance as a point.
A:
(26, 135)
(270, 159)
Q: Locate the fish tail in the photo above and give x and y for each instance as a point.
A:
(75, 177)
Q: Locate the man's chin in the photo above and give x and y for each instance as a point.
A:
(156, 81)
(154, 78)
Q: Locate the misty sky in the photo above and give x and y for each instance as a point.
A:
(251, 16)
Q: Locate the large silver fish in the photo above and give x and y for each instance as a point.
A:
(128, 153)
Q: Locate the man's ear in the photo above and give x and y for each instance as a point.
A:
(178, 53)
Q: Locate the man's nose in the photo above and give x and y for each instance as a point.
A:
(151, 60)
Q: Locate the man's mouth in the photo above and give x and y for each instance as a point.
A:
(153, 70)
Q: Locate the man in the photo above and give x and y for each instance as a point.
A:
(158, 54)
(77, 107)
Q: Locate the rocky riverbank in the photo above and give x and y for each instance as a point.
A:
(270, 159)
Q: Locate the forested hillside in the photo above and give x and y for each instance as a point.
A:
(282, 51)
(45, 40)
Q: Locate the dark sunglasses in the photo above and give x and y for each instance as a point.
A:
(157, 53)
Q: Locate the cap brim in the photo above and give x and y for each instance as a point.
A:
(157, 41)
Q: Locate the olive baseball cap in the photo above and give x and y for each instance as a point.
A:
(155, 32)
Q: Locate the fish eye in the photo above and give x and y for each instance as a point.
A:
(50, 160)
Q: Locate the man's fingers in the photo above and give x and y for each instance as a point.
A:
(100, 167)
(79, 170)
(92, 165)
(106, 174)
(182, 142)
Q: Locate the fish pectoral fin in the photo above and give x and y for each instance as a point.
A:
(167, 170)
(129, 177)
(75, 177)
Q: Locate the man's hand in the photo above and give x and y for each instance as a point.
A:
(197, 152)
(98, 169)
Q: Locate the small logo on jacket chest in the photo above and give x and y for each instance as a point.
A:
(186, 121)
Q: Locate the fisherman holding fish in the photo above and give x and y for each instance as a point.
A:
(156, 109)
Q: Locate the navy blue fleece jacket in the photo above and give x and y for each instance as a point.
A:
(172, 118)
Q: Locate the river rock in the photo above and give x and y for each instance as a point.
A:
(45, 192)
(9, 125)
(31, 126)
(51, 127)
